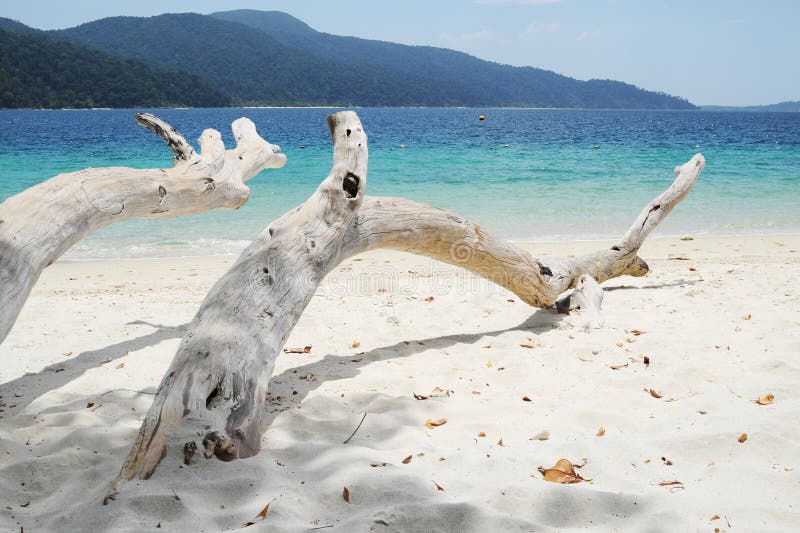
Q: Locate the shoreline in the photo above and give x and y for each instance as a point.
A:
(523, 243)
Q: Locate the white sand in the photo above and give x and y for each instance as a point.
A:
(85, 320)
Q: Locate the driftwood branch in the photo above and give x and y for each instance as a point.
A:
(216, 384)
(41, 223)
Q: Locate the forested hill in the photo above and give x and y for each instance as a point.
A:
(36, 72)
(463, 79)
(271, 58)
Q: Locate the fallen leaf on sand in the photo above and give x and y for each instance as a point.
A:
(429, 299)
(407, 459)
(618, 367)
(438, 487)
(636, 332)
(346, 494)
(488, 346)
(563, 472)
(678, 259)
(654, 393)
(377, 465)
(500, 442)
(381, 290)
(601, 432)
(743, 437)
(747, 317)
(476, 392)
(671, 400)
(419, 396)
(89, 404)
(67, 354)
(304, 349)
(356, 344)
(692, 269)
(687, 238)
(620, 345)
(543, 435)
(528, 346)
(121, 365)
(673, 484)
(630, 341)
(646, 361)
(489, 364)
(765, 400)
(435, 423)
(526, 399)
(715, 517)
(482, 434)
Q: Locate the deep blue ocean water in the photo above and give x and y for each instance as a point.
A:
(525, 174)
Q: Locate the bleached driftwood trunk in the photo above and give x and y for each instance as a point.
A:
(217, 382)
(41, 223)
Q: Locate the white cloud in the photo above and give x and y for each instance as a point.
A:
(586, 35)
(519, 2)
(537, 29)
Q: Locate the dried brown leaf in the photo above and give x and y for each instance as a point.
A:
(670, 483)
(743, 437)
(439, 487)
(304, 349)
(678, 259)
(500, 442)
(601, 431)
(715, 517)
(528, 346)
(121, 365)
(429, 299)
(419, 396)
(377, 465)
(765, 400)
(748, 316)
(526, 399)
(355, 344)
(346, 494)
(646, 361)
(654, 393)
(407, 459)
(563, 472)
(89, 404)
(435, 423)
(692, 269)
(482, 434)
(618, 367)
(636, 332)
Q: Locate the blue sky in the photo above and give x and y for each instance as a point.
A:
(731, 52)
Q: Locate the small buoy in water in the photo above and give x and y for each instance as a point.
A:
(596, 146)
(505, 146)
(402, 146)
(697, 146)
(302, 146)
(481, 117)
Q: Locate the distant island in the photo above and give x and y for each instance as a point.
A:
(247, 57)
(782, 107)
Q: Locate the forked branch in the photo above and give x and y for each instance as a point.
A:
(216, 385)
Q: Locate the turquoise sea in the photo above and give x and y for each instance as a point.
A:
(525, 174)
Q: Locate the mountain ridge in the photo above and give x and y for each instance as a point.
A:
(272, 58)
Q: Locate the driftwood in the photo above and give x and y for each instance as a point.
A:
(41, 223)
(215, 388)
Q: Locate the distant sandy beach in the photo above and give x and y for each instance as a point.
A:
(662, 443)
